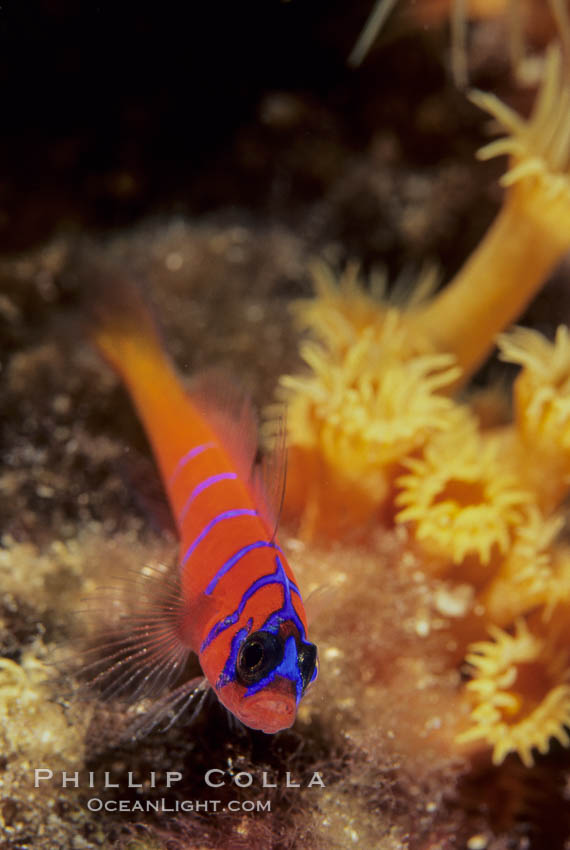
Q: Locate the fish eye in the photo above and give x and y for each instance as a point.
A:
(258, 655)
(307, 660)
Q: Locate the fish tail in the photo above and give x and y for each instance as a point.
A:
(120, 325)
(115, 314)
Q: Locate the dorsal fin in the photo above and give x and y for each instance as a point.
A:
(227, 407)
(319, 601)
(270, 477)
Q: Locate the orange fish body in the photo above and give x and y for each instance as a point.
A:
(241, 610)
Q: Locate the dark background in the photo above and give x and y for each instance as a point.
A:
(112, 111)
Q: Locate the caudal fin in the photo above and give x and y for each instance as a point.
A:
(114, 312)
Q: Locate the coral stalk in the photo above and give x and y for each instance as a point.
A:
(530, 235)
(494, 286)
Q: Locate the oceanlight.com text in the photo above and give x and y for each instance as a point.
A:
(96, 804)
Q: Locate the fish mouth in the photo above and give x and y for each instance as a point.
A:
(269, 712)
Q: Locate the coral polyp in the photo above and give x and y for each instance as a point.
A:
(459, 497)
(539, 148)
(542, 406)
(343, 309)
(521, 689)
(362, 406)
(527, 576)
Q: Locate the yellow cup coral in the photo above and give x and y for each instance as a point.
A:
(371, 397)
(374, 394)
(459, 497)
(526, 576)
(375, 436)
(542, 408)
(521, 690)
(362, 411)
(342, 310)
(558, 600)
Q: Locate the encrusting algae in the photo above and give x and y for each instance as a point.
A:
(377, 439)
(35, 729)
